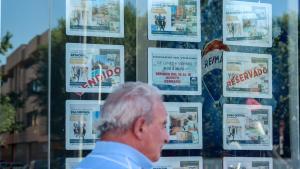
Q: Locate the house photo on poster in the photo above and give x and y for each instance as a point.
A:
(82, 118)
(186, 162)
(174, 20)
(94, 68)
(184, 125)
(247, 163)
(247, 127)
(247, 23)
(175, 71)
(101, 18)
(247, 75)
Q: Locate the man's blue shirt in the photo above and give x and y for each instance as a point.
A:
(114, 155)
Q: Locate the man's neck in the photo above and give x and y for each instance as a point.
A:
(125, 138)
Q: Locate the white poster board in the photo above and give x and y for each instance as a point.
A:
(174, 20)
(94, 68)
(195, 162)
(101, 18)
(82, 120)
(175, 71)
(72, 163)
(247, 127)
(247, 23)
(247, 163)
(247, 75)
(184, 125)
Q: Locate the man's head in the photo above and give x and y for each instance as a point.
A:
(135, 115)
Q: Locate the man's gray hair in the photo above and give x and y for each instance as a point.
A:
(128, 102)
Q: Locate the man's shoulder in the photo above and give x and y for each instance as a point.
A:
(103, 162)
(111, 155)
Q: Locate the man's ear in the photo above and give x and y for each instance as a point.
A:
(139, 127)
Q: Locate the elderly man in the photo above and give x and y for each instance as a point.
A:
(133, 129)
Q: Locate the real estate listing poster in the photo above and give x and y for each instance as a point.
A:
(174, 20)
(247, 127)
(94, 68)
(101, 18)
(247, 163)
(82, 120)
(247, 23)
(247, 75)
(195, 162)
(175, 71)
(72, 163)
(184, 125)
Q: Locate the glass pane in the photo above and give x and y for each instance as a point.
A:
(69, 74)
(24, 83)
(227, 70)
